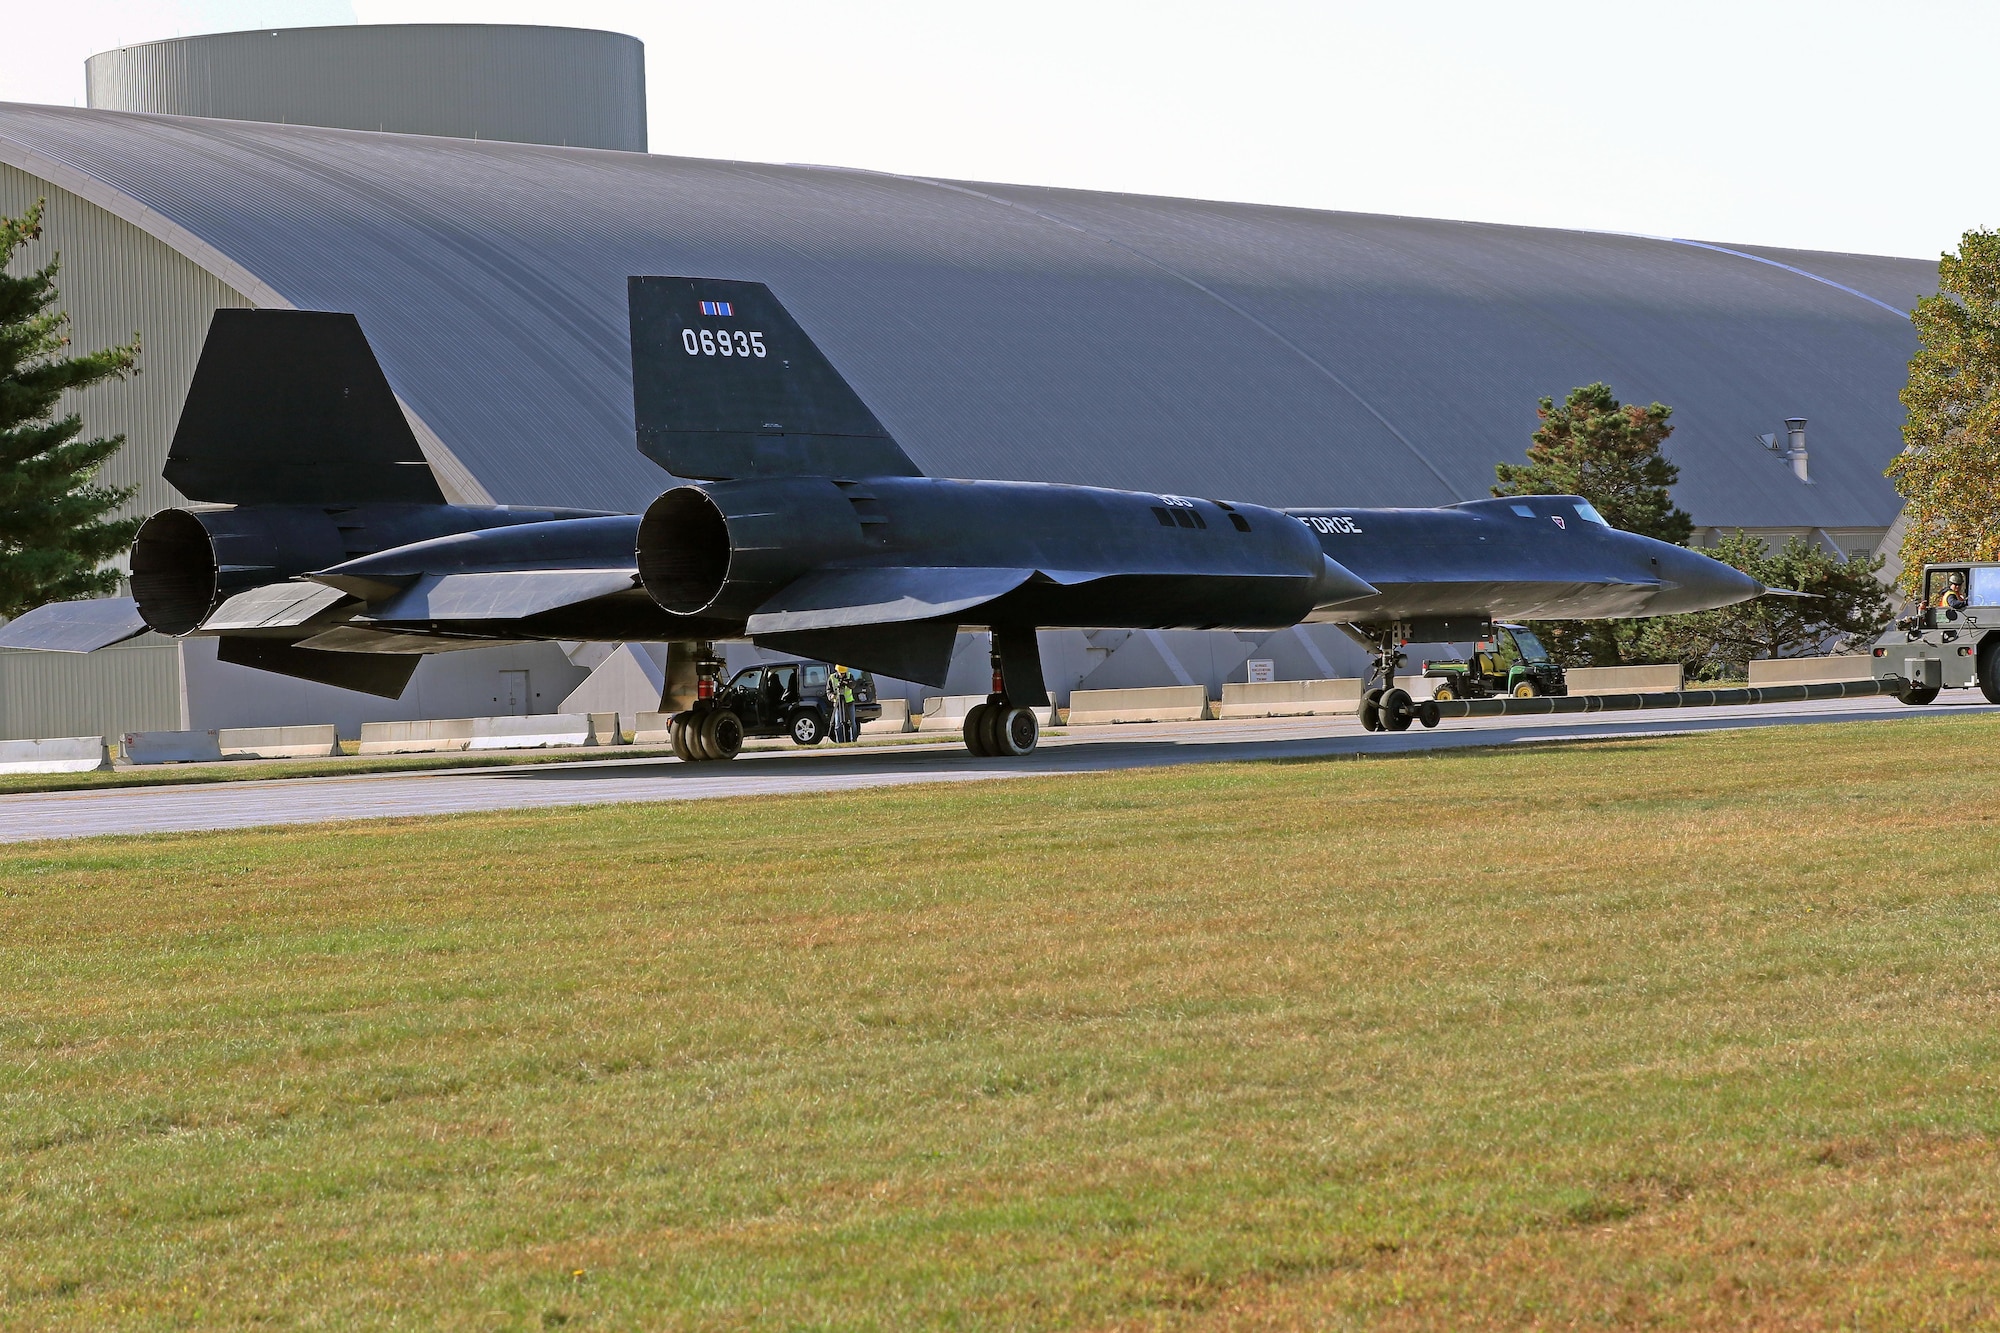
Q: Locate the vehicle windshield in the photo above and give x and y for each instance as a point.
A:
(1587, 511)
(747, 679)
(1529, 647)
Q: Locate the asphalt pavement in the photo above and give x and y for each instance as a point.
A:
(231, 805)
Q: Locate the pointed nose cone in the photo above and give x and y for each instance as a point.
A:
(1338, 584)
(1694, 582)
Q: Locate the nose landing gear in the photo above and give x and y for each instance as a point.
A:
(1389, 707)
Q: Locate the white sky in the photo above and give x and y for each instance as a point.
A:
(1830, 125)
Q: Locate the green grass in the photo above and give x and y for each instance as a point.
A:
(1687, 1033)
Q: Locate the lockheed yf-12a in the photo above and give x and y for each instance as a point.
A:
(324, 549)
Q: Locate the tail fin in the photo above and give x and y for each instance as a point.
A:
(291, 407)
(726, 384)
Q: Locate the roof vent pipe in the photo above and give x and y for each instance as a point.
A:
(1795, 449)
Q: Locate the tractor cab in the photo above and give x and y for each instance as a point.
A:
(1952, 638)
(1512, 662)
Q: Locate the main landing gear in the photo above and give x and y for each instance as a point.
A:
(1005, 727)
(1389, 707)
(706, 732)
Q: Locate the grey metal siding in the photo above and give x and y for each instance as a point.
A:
(117, 281)
(133, 687)
(573, 86)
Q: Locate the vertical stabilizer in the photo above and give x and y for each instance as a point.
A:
(291, 407)
(725, 384)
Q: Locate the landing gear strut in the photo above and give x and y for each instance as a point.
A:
(707, 732)
(1387, 706)
(1005, 725)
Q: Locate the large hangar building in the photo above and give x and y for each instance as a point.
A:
(1276, 355)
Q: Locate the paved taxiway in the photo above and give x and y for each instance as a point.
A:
(786, 771)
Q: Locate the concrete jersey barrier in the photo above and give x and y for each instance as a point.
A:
(1287, 698)
(1623, 679)
(1811, 670)
(311, 742)
(895, 718)
(170, 747)
(535, 732)
(1165, 703)
(60, 754)
(432, 736)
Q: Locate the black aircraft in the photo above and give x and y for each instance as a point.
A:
(321, 547)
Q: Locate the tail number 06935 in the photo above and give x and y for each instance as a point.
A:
(722, 342)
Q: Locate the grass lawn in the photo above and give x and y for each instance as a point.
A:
(1691, 1032)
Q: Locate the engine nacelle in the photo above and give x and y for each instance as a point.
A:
(185, 562)
(720, 550)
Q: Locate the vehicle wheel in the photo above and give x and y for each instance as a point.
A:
(975, 731)
(991, 729)
(806, 728)
(722, 734)
(1989, 669)
(1919, 694)
(1527, 689)
(1395, 710)
(1018, 731)
(1370, 713)
(1427, 713)
(682, 737)
(1444, 694)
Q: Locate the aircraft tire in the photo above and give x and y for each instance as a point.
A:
(1370, 713)
(1989, 668)
(683, 742)
(1918, 695)
(722, 734)
(991, 729)
(806, 727)
(1427, 713)
(1395, 710)
(975, 731)
(1018, 732)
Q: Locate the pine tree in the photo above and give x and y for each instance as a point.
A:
(1609, 453)
(1845, 605)
(55, 533)
(1949, 470)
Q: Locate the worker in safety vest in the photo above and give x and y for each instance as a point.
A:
(1953, 596)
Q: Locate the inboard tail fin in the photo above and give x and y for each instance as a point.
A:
(725, 384)
(291, 407)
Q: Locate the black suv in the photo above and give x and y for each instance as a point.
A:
(789, 699)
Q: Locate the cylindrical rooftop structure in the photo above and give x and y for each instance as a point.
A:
(572, 86)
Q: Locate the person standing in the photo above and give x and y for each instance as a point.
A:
(849, 730)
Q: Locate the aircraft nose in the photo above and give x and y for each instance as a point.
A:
(1696, 582)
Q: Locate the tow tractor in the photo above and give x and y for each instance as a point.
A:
(1952, 641)
(1512, 662)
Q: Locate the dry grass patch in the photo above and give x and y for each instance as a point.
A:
(1687, 1032)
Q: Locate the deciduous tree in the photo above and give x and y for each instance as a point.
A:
(1609, 453)
(56, 532)
(1949, 470)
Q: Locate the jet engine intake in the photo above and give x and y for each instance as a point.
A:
(721, 550)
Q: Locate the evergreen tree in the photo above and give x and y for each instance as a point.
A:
(1845, 604)
(1609, 453)
(55, 533)
(1949, 470)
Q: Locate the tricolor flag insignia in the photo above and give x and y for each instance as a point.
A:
(717, 308)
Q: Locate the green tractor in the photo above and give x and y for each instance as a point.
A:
(1512, 662)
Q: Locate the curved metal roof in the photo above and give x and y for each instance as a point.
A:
(1276, 355)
